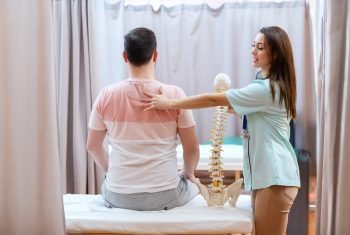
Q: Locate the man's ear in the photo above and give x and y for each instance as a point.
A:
(125, 57)
(155, 56)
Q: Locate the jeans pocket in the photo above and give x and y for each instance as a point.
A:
(290, 193)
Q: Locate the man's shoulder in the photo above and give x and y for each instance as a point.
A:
(170, 86)
(171, 89)
(109, 91)
(114, 87)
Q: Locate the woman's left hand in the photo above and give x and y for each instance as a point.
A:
(231, 110)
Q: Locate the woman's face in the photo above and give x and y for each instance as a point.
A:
(260, 56)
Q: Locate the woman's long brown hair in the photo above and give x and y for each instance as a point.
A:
(282, 69)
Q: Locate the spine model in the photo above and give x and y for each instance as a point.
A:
(217, 133)
(217, 194)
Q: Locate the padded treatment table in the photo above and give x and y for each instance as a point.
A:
(86, 214)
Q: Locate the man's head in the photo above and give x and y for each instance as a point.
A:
(139, 46)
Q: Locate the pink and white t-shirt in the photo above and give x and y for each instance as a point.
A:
(143, 157)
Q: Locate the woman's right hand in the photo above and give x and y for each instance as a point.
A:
(159, 102)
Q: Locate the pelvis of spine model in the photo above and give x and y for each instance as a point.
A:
(217, 194)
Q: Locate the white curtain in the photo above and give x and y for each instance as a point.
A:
(30, 192)
(333, 102)
(197, 41)
(73, 83)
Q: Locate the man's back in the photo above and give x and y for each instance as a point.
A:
(142, 170)
(143, 157)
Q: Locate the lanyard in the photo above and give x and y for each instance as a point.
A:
(245, 123)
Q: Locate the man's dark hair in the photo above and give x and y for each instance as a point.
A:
(139, 45)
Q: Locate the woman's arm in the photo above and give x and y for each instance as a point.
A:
(192, 102)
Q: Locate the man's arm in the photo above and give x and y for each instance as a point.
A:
(190, 147)
(95, 148)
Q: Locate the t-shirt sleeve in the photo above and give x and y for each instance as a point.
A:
(96, 119)
(250, 99)
(185, 118)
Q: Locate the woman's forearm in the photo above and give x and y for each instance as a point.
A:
(199, 101)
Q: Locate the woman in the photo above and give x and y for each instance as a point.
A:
(268, 104)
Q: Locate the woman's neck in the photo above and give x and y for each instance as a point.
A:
(265, 73)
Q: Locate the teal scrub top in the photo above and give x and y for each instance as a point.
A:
(269, 158)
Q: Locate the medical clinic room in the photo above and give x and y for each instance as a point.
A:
(174, 117)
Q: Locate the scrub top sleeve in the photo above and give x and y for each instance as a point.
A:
(250, 99)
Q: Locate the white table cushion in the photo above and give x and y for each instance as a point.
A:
(232, 157)
(87, 213)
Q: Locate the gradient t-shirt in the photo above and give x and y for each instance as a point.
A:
(143, 157)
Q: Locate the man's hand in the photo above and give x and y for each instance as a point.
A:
(191, 177)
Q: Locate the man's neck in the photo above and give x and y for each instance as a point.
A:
(143, 72)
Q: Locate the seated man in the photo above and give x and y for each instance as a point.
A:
(141, 171)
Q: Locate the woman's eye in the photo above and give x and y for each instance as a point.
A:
(260, 48)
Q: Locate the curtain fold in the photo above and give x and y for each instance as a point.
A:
(30, 195)
(333, 191)
(73, 78)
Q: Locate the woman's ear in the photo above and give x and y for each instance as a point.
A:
(125, 57)
(155, 56)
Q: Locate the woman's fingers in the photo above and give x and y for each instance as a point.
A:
(151, 95)
(231, 110)
(148, 94)
(150, 103)
(157, 102)
(147, 100)
(149, 108)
